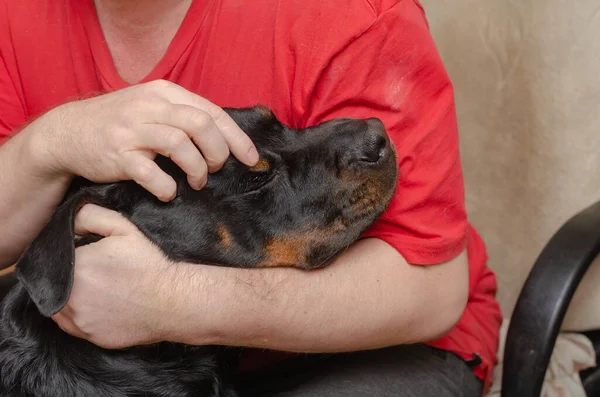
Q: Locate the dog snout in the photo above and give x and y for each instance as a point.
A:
(370, 144)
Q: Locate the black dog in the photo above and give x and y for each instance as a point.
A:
(313, 193)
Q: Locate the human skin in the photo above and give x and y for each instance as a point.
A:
(369, 297)
(131, 127)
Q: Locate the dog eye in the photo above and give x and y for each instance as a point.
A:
(256, 181)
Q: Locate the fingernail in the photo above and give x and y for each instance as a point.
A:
(253, 155)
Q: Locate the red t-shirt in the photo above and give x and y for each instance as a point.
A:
(308, 60)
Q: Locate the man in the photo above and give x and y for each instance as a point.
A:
(410, 307)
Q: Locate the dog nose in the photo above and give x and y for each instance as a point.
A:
(373, 144)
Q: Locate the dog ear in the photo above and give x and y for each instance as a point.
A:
(46, 268)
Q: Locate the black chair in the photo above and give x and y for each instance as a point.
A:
(541, 306)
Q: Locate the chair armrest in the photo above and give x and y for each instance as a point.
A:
(544, 300)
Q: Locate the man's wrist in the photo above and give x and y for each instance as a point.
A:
(213, 305)
(182, 293)
(32, 149)
(44, 146)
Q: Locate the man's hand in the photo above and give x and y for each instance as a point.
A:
(120, 292)
(116, 137)
(109, 138)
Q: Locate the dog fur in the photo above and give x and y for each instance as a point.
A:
(313, 192)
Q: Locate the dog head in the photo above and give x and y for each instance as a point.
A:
(313, 192)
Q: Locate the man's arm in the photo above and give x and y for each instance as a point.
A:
(30, 191)
(103, 140)
(369, 297)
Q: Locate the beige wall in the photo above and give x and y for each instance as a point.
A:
(527, 81)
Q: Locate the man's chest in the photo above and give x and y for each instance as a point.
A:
(232, 55)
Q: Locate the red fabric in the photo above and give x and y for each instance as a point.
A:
(309, 60)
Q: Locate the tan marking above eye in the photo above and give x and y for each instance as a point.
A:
(261, 166)
(225, 236)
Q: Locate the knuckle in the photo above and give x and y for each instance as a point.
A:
(161, 107)
(143, 171)
(218, 158)
(175, 140)
(142, 107)
(122, 138)
(201, 118)
(215, 112)
(137, 104)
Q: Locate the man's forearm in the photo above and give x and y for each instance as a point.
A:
(368, 298)
(30, 191)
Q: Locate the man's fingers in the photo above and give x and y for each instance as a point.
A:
(240, 145)
(148, 174)
(176, 144)
(201, 128)
(94, 219)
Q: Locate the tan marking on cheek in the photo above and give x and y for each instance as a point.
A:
(285, 252)
(225, 236)
(293, 250)
(368, 198)
(261, 166)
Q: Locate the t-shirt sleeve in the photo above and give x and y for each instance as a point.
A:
(12, 109)
(392, 71)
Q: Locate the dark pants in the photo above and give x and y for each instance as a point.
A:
(402, 371)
